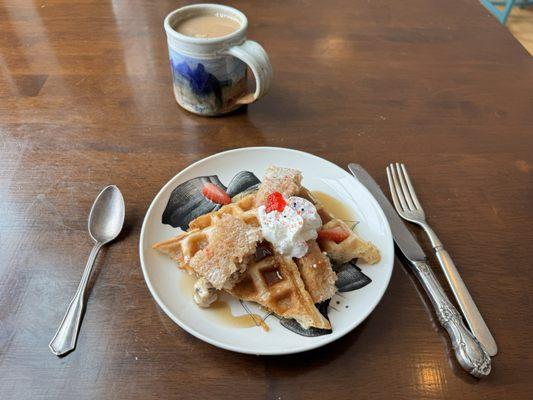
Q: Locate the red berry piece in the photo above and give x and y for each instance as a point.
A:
(215, 193)
(337, 234)
(275, 202)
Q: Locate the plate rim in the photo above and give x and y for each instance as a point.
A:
(328, 338)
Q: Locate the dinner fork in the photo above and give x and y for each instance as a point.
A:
(409, 208)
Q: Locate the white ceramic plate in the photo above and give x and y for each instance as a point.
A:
(169, 285)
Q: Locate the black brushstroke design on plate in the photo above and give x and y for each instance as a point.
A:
(295, 327)
(350, 277)
(242, 182)
(187, 202)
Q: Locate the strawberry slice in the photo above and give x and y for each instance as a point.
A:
(275, 202)
(337, 234)
(215, 193)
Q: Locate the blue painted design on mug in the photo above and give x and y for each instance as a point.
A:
(208, 86)
(201, 81)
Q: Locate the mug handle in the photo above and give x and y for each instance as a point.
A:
(253, 54)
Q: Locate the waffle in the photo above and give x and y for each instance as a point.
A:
(177, 251)
(275, 283)
(351, 247)
(244, 209)
(183, 247)
(317, 274)
(219, 252)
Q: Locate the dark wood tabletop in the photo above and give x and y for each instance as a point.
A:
(86, 101)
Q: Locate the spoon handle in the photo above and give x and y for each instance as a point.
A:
(65, 338)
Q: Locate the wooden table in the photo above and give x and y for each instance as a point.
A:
(86, 101)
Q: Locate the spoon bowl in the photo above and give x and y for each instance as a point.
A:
(107, 215)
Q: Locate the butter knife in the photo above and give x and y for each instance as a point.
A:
(468, 351)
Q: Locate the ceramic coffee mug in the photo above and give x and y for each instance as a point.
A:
(209, 74)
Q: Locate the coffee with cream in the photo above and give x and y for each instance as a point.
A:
(209, 57)
(207, 26)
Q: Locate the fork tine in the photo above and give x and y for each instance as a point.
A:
(398, 188)
(412, 191)
(395, 199)
(399, 193)
(405, 189)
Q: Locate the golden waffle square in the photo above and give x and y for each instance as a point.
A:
(275, 283)
(219, 252)
(243, 209)
(351, 247)
(183, 247)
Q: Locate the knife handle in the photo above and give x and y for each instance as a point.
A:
(468, 351)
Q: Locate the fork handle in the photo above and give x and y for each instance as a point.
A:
(468, 351)
(466, 303)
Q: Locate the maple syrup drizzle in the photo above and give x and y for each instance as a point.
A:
(271, 276)
(221, 309)
(335, 207)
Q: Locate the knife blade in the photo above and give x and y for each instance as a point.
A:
(402, 236)
(469, 353)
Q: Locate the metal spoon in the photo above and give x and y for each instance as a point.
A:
(105, 223)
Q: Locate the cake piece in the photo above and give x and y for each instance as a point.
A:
(286, 181)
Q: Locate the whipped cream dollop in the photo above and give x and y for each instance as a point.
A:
(290, 226)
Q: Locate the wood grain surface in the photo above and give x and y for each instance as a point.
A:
(86, 101)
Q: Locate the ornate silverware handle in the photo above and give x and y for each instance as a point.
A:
(470, 354)
(66, 336)
(467, 305)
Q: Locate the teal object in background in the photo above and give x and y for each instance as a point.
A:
(502, 14)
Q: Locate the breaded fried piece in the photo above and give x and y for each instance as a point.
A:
(286, 181)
